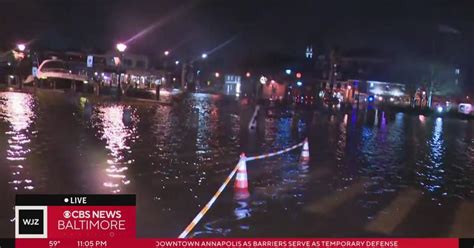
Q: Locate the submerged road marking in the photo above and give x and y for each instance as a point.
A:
(327, 204)
(390, 217)
(463, 226)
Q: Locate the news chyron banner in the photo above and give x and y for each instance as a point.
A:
(62, 220)
(78, 221)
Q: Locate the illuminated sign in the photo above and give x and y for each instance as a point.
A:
(385, 88)
(90, 61)
(309, 52)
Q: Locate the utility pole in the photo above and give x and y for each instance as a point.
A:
(430, 91)
(184, 71)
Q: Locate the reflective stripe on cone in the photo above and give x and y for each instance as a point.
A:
(305, 152)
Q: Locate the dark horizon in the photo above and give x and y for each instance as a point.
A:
(247, 30)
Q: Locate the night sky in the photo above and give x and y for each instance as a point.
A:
(251, 28)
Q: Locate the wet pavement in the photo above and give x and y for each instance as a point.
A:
(371, 174)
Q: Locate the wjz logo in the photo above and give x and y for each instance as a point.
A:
(30, 222)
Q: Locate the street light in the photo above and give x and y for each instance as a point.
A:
(166, 53)
(204, 55)
(177, 62)
(247, 74)
(121, 47)
(217, 74)
(21, 47)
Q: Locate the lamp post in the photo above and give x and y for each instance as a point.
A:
(121, 47)
(263, 80)
(187, 71)
(21, 47)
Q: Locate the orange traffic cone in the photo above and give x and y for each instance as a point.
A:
(304, 159)
(241, 188)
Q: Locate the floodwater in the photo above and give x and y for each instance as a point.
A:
(371, 174)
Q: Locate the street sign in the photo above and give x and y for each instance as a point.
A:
(90, 60)
(34, 71)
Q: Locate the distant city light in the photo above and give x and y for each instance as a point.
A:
(370, 99)
(247, 74)
(121, 47)
(217, 74)
(174, 79)
(86, 82)
(298, 75)
(166, 53)
(424, 92)
(309, 52)
(380, 98)
(204, 55)
(177, 62)
(299, 83)
(263, 80)
(21, 47)
(349, 87)
(439, 109)
(272, 81)
(392, 99)
(288, 71)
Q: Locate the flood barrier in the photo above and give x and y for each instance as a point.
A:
(242, 162)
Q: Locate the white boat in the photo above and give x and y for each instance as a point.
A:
(57, 69)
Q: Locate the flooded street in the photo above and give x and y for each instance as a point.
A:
(392, 175)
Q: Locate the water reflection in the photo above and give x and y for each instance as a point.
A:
(205, 114)
(242, 211)
(187, 149)
(117, 126)
(433, 173)
(342, 142)
(17, 110)
(382, 149)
